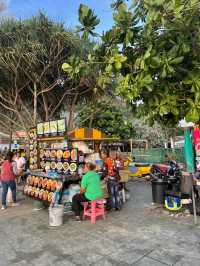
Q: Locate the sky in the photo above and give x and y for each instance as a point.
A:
(62, 10)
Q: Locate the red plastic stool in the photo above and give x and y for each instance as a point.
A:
(94, 209)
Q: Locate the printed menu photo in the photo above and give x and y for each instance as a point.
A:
(61, 125)
(40, 129)
(46, 128)
(53, 127)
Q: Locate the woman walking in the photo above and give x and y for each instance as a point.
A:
(7, 177)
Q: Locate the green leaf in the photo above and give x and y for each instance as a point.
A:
(185, 48)
(193, 116)
(66, 67)
(170, 69)
(109, 68)
(147, 79)
(177, 60)
(164, 73)
(148, 53)
(118, 65)
(84, 10)
(155, 62)
(88, 21)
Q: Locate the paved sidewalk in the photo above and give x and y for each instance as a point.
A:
(133, 236)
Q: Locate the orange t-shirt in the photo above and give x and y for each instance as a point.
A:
(109, 162)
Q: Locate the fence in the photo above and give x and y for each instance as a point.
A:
(158, 155)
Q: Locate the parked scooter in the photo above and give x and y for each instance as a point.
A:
(171, 174)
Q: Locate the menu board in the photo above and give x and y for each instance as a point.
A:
(33, 160)
(53, 127)
(63, 160)
(40, 129)
(61, 125)
(46, 128)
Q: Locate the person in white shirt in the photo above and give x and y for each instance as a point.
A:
(20, 162)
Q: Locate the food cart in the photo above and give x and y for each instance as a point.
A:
(53, 162)
(57, 158)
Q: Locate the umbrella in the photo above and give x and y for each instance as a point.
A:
(189, 158)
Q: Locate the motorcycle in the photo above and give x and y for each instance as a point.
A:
(172, 174)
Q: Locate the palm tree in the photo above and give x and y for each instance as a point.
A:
(88, 21)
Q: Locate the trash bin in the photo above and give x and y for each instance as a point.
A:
(159, 186)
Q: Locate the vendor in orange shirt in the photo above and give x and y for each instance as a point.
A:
(114, 201)
(110, 164)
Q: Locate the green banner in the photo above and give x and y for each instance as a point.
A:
(189, 153)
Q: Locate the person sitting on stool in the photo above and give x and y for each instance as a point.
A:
(90, 189)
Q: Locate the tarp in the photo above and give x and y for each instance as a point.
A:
(189, 153)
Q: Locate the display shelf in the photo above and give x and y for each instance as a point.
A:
(43, 139)
(35, 198)
(33, 163)
(58, 160)
(61, 177)
(56, 149)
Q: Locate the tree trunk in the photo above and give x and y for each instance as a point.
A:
(45, 107)
(172, 142)
(10, 138)
(35, 103)
(91, 121)
(71, 113)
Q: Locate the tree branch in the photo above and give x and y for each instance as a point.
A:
(51, 87)
(11, 120)
(59, 103)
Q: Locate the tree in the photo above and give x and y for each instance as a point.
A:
(159, 43)
(156, 134)
(32, 86)
(106, 115)
(88, 21)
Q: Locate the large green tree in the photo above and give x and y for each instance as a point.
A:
(109, 115)
(152, 53)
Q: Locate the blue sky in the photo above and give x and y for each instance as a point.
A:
(62, 10)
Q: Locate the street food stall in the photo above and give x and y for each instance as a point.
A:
(53, 162)
(57, 158)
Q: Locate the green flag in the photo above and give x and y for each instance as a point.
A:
(189, 153)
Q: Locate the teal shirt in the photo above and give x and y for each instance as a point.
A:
(92, 185)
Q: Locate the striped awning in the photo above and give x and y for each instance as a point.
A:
(87, 134)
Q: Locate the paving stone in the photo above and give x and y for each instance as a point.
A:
(44, 259)
(108, 262)
(127, 256)
(148, 262)
(165, 256)
(64, 263)
(86, 257)
(21, 263)
(188, 261)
